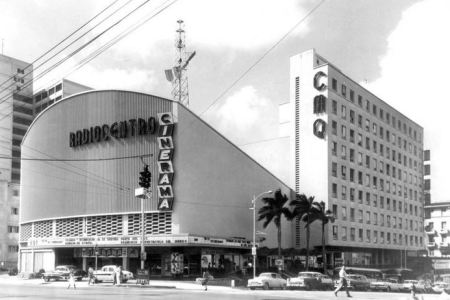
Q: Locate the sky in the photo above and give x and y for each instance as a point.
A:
(396, 49)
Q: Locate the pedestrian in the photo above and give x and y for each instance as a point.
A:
(91, 276)
(342, 282)
(114, 278)
(413, 292)
(205, 279)
(72, 281)
(119, 275)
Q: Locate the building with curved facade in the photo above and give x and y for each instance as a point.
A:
(81, 159)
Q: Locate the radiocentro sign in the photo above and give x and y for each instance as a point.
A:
(163, 126)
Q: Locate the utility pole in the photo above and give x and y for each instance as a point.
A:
(177, 75)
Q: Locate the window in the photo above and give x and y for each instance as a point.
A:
(375, 218)
(360, 100)
(352, 175)
(352, 116)
(343, 112)
(334, 84)
(344, 233)
(335, 212)
(367, 125)
(388, 221)
(14, 211)
(344, 90)
(352, 155)
(334, 169)
(368, 236)
(344, 212)
(334, 127)
(360, 139)
(13, 248)
(375, 200)
(381, 219)
(334, 190)
(359, 121)
(367, 105)
(352, 234)
(335, 232)
(375, 236)
(352, 136)
(352, 194)
(367, 143)
(352, 214)
(13, 229)
(360, 159)
(381, 237)
(334, 107)
(333, 148)
(344, 131)
(360, 197)
(367, 181)
(352, 95)
(344, 192)
(343, 152)
(367, 198)
(360, 215)
(360, 234)
(367, 217)
(381, 202)
(374, 128)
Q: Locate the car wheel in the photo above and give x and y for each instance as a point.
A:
(283, 287)
(125, 280)
(307, 287)
(46, 279)
(266, 286)
(252, 288)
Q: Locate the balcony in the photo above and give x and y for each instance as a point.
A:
(443, 231)
(429, 230)
(431, 245)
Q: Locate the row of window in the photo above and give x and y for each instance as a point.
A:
(377, 147)
(373, 236)
(376, 183)
(44, 94)
(13, 248)
(377, 164)
(373, 200)
(375, 218)
(372, 109)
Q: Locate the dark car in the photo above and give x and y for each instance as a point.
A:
(62, 273)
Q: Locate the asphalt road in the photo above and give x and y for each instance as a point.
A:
(107, 292)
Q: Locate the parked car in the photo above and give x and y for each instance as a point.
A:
(310, 280)
(356, 282)
(407, 286)
(394, 285)
(379, 285)
(267, 281)
(439, 287)
(106, 273)
(62, 273)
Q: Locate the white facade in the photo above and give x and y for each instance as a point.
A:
(359, 155)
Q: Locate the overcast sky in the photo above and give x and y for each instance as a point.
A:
(399, 49)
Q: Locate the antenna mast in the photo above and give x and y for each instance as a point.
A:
(178, 74)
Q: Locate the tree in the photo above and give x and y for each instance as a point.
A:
(318, 212)
(302, 210)
(272, 211)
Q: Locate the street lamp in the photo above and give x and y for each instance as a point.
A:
(254, 229)
(96, 255)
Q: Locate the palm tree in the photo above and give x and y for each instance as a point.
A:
(318, 212)
(302, 210)
(272, 211)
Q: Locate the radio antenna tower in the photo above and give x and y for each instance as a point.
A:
(178, 74)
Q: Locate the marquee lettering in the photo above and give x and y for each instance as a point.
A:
(317, 83)
(165, 165)
(319, 128)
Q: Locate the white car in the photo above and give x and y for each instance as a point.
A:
(310, 280)
(407, 286)
(394, 285)
(106, 273)
(267, 281)
(439, 287)
(379, 285)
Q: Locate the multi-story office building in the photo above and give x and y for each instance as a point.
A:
(16, 113)
(362, 157)
(18, 107)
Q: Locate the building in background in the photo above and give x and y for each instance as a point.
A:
(16, 113)
(18, 107)
(362, 157)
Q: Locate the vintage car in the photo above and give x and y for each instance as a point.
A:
(379, 285)
(62, 273)
(394, 285)
(267, 281)
(420, 286)
(106, 273)
(356, 282)
(439, 286)
(309, 281)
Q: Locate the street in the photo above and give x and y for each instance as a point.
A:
(59, 290)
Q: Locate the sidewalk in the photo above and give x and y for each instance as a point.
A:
(157, 284)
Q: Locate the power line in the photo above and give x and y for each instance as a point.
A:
(263, 56)
(70, 55)
(70, 159)
(65, 39)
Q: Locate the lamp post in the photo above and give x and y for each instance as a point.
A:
(96, 255)
(328, 217)
(254, 229)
